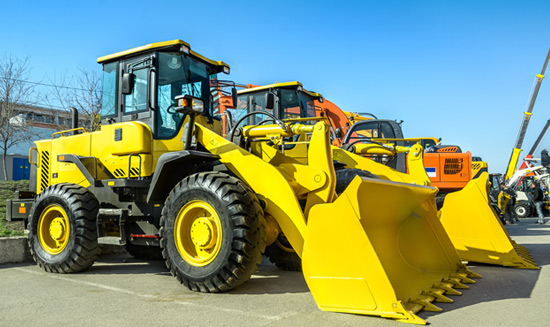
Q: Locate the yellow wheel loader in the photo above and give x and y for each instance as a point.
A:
(474, 228)
(159, 173)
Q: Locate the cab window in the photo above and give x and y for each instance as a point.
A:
(137, 100)
(240, 110)
(178, 75)
(290, 105)
(108, 100)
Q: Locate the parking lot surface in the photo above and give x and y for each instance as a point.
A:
(121, 291)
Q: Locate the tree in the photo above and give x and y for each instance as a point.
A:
(14, 93)
(84, 93)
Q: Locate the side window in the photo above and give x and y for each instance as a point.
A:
(108, 105)
(137, 100)
(240, 110)
(365, 131)
(258, 104)
(386, 131)
(290, 104)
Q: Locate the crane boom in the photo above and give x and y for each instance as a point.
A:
(512, 163)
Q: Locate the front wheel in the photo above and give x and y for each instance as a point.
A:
(212, 232)
(63, 228)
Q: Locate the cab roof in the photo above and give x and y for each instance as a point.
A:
(294, 84)
(177, 45)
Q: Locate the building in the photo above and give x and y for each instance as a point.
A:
(42, 122)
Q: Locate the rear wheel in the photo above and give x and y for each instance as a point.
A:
(522, 210)
(283, 255)
(212, 232)
(63, 229)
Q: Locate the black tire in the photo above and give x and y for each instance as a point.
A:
(281, 254)
(522, 210)
(346, 175)
(80, 249)
(439, 200)
(238, 215)
(144, 252)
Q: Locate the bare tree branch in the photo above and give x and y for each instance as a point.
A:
(14, 93)
(85, 95)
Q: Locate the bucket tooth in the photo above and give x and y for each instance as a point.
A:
(448, 287)
(472, 274)
(464, 278)
(413, 307)
(437, 293)
(456, 282)
(426, 302)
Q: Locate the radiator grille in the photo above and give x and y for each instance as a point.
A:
(453, 166)
(448, 149)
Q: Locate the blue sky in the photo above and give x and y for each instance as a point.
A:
(459, 70)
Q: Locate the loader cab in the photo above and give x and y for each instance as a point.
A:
(140, 85)
(363, 131)
(283, 100)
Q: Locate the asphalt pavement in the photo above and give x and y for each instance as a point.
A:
(121, 291)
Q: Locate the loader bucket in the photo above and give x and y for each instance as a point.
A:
(475, 230)
(380, 249)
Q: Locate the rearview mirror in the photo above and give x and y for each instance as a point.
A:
(269, 100)
(234, 97)
(127, 83)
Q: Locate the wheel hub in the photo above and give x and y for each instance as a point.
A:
(202, 233)
(53, 229)
(57, 229)
(198, 233)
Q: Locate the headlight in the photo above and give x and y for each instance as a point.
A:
(197, 105)
(187, 103)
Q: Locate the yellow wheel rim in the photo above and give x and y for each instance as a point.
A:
(198, 233)
(53, 229)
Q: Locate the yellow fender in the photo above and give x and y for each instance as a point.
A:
(476, 231)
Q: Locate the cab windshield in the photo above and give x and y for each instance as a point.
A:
(292, 104)
(296, 104)
(178, 74)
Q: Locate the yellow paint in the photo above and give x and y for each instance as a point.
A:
(198, 233)
(377, 258)
(265, 180)
(157, 46)
(53, 229)
(466, 215)
(476, 231)
(280, 85)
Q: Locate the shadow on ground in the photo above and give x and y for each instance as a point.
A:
(499, 283)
